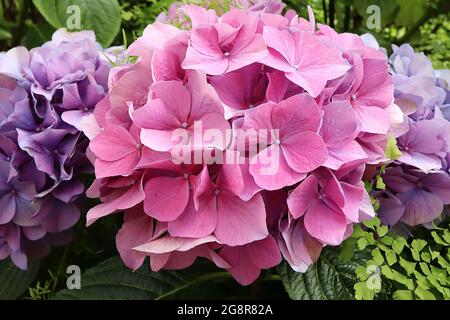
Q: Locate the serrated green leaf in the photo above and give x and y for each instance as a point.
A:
(446, 236)
(101, 16)
(328, 279)
(377, 256)
(372, 224)
(362, 291)
(403, 295)
(362, 243)
(361, 273)
(397, 276)
(392, 152)
(424, 294)
(13, 281)
(425, 269)
(426, 257)
(387, 240)
(438, 239)
(407, 265)
(418, 244)
(391, 257)
(398, 245)
(382, 231)
(415, 254)
(112, 280)
(370, 238)
(380, 183)
(421, 280)
(357, 231)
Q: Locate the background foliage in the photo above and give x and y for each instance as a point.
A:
(372, 264)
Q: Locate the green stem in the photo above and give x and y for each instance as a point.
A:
(331, 11)
(60, 269)
(21, 27)
(347, 19)
(325, 12)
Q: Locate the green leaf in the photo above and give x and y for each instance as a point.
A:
(403, 295)
(101, 16)
(418, 244)
(372, 224)
(392, 151)
(112, 280)
(438, 239)
(380, 183)
(362, 243)
(328, 279)
(362, 291)
(398, 245)
(410, 12)
(377, 256)
(13, 281)
(424, 294)
(347, 249)
(446, 236)
(382, 231)
(5, 35)
(391, 257)
(37, 34)
(407, 265)
(387, 240)
(426, 257)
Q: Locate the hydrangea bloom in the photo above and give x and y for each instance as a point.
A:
(417, 183)
(45, 94)
(239, 138)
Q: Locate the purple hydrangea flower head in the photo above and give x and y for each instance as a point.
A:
(418, 182)
(412, 196)
(45, 94)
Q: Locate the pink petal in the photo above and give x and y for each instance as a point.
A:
(195, 223)
(271, 171)
(353, 198)
(166, 197)
(264, 253)
(240, 222)
(303, 197)
(373, 119)
(296, 114)
(325, 224)
(122, 167)
(304, 151)
(113, 143)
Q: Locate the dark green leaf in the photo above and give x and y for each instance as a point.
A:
(328, 279)
(13, 281)
(112, 280)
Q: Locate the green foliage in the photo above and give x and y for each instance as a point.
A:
(13, 281)
(328, 279)
(416, 269)
(102, 16)
(112, 280)
(434, 40)
(392, 151)
(42, 291)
